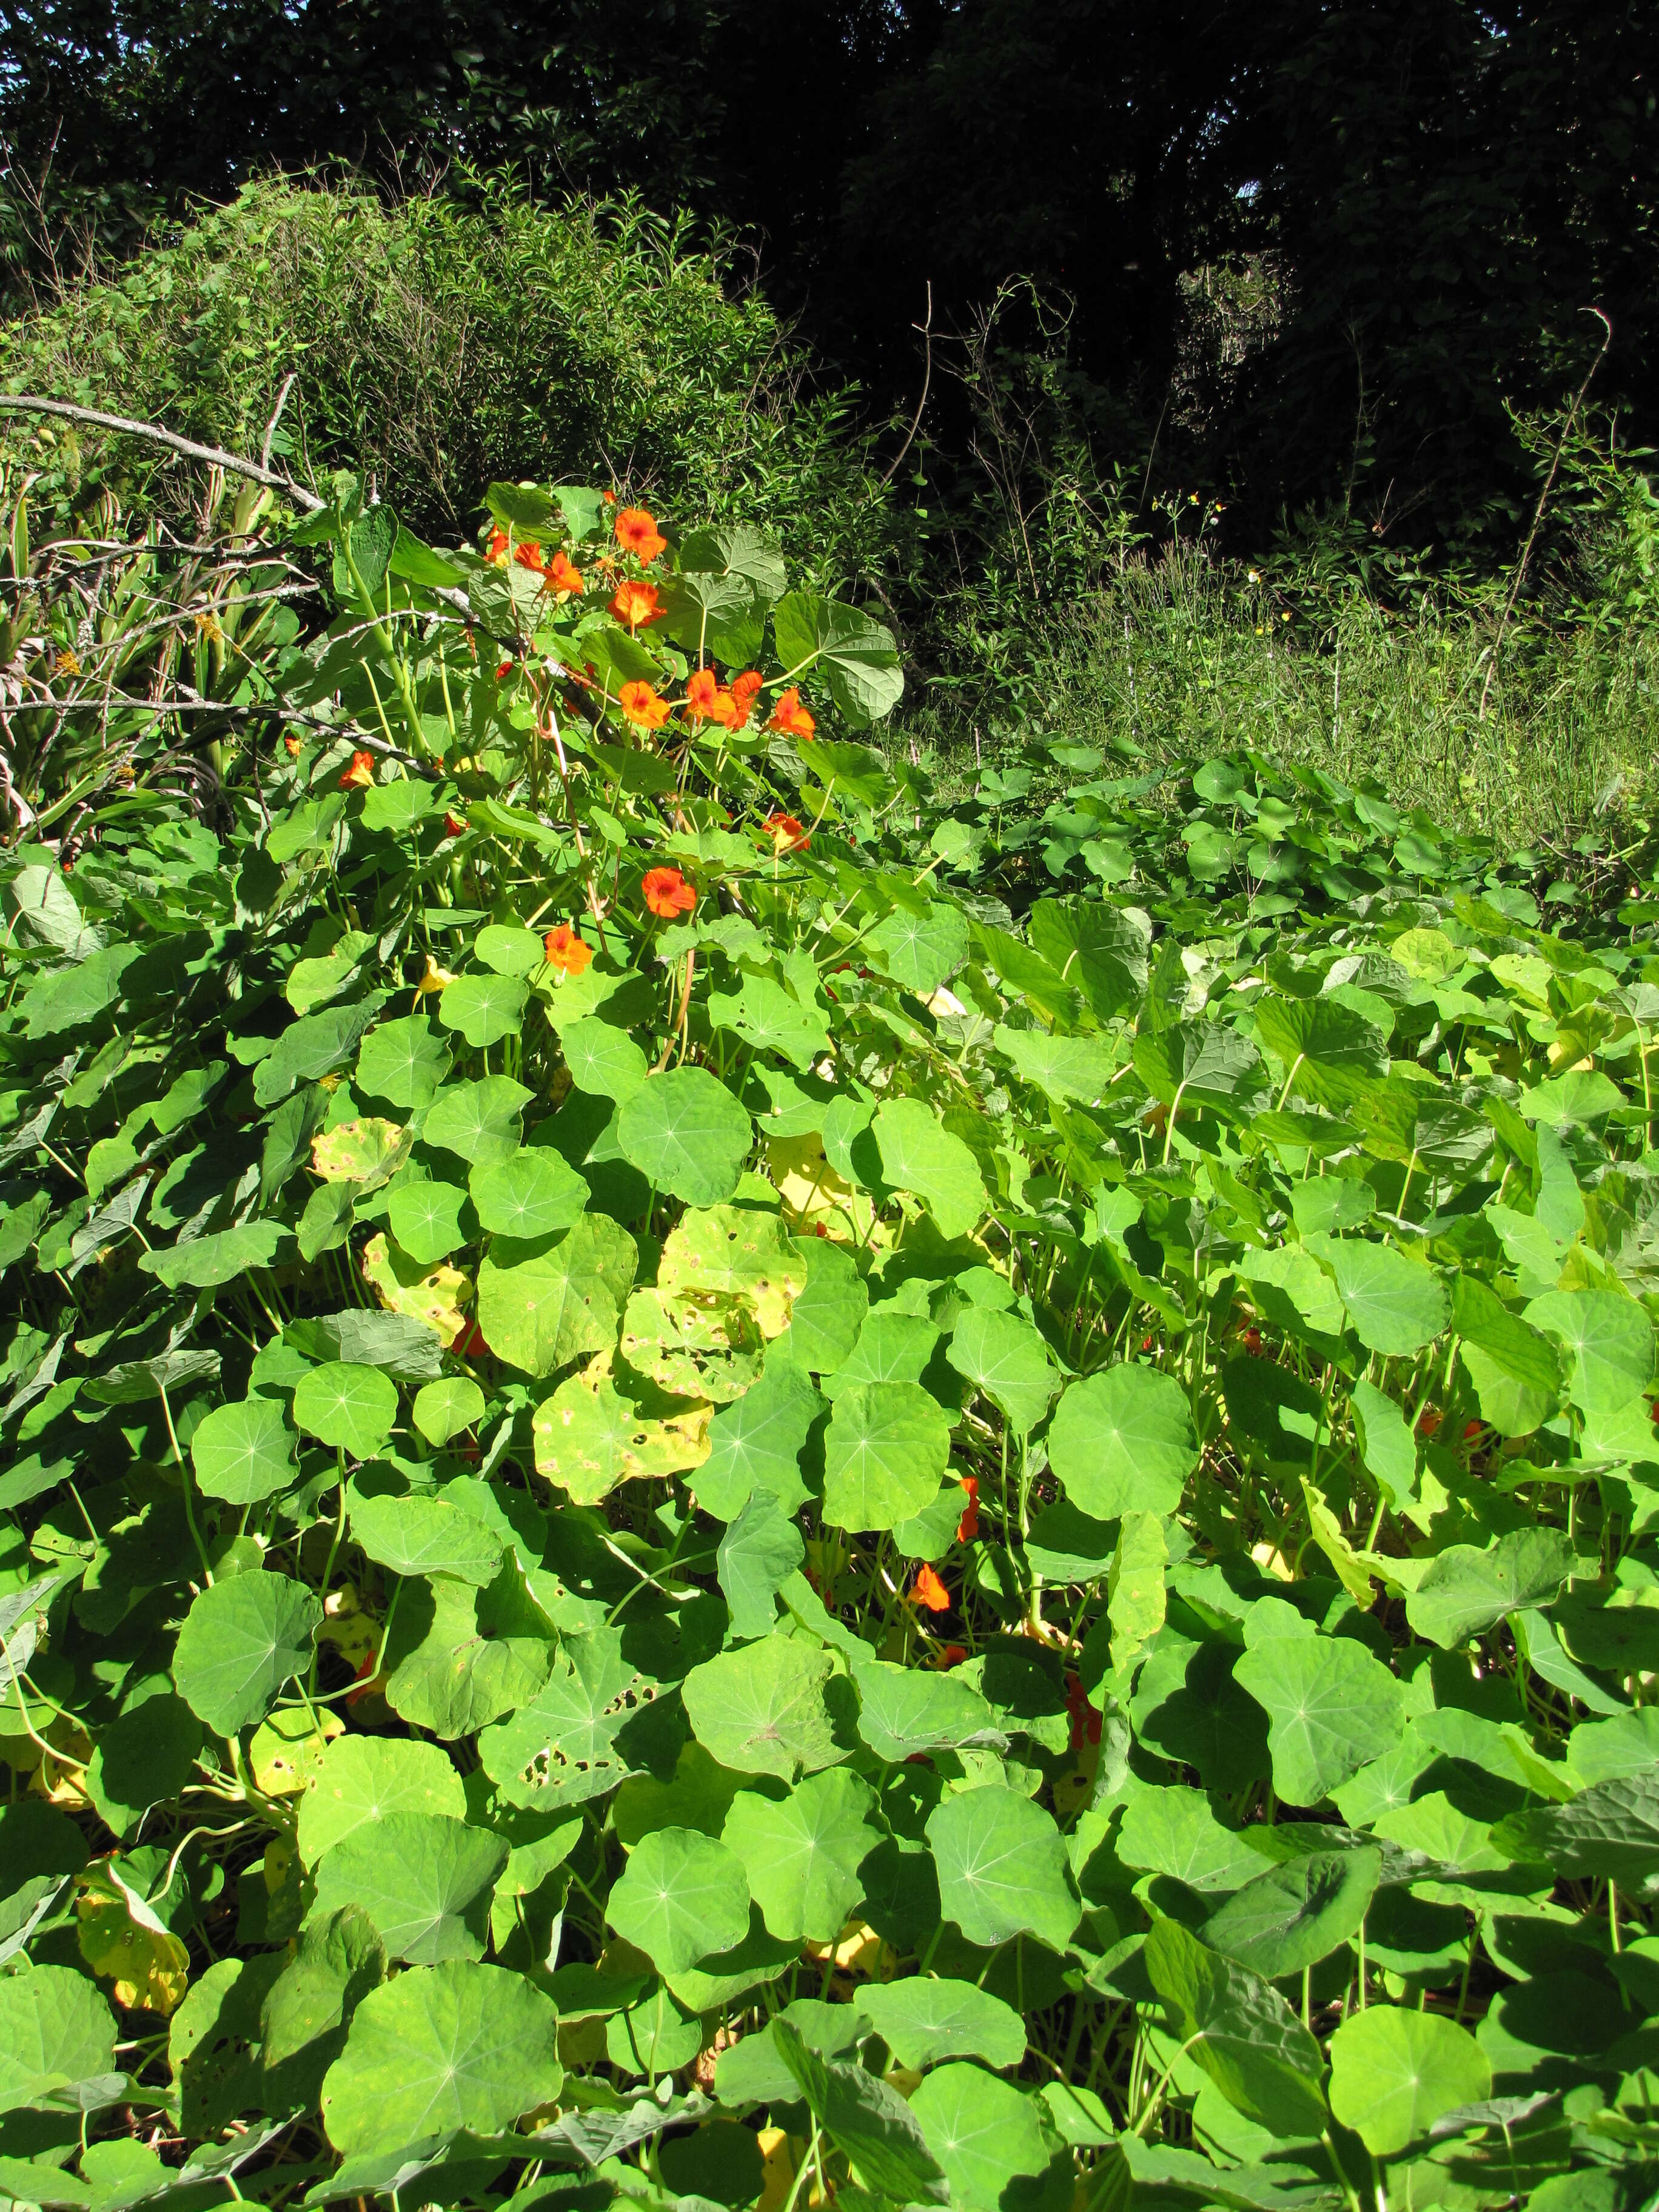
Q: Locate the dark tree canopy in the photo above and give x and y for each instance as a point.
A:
(1324, 247)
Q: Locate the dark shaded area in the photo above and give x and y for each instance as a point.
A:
(1312, 256)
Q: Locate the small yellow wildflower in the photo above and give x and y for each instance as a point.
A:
(435, 979)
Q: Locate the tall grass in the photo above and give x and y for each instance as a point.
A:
(1531, 739)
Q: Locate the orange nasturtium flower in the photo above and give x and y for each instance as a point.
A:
(638, 605)
(786, 832)
(704, 700)
(927, 1589)
(562, 576)
(292, 745)
(495, 551)
(453, 826)
(529, 555)
(744, 688)
(968, 1527)
(565, 950)
(641, 705)
(360, 774)
(637, 531)
(790, 717)
(667, 893)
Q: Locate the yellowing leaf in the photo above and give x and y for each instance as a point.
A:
(814, 1196)
(737, 1252)
(589, 1437)
(286, 1752)
(435, 1296)
(1327, 1535)
(358, 1151)
(353, 1631)
(697, 1345)
(122, 1939)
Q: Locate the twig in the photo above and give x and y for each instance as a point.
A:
(23, 402)
(927, 330)
(288, 383)
(1538, 512)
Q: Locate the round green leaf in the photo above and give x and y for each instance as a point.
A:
(55, 2027)
(402, 1062)
(1239, 2029)
(538, 1312)
(425, 1536)
(245, 1452)
(449, 2047)
(1002, 1869)
(603, 1060)
(444, 1408)
(362, 1778)
(1396, 1305)
(479, 1120)
(423, 1879)
(856, 655)
(241, 1640)
(802, 1853)
(686, 1133)
(343, 1404)
(888, 1447)
(1295, 1915)
(920, 951)
(761, 1708)
(681, 1897)
(425, 1220)
(1330, 1708)
(922, 2021)
(987, 2135)
(535, 1194)
(1467, 1590)
(484, 1008)
(1609, 1341)
(918, 1154)
(1395, 2072)
(1002, 1355)
(1122, 1441)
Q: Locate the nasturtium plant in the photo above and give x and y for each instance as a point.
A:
(735, 1475)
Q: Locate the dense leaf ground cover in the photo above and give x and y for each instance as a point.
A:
(721, 1486)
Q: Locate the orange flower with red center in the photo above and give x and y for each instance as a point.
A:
(292, 745)
(562, 576)
(744, 688)
(529, 555)
(565, 950)
(968, 1527)
(786, 832)
(643, 706)
(638, 605)
(637, 533)
(704, 700)
(666, 893)
(791, 717)
(495, 551)
(360, 774)
(927, 1589)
